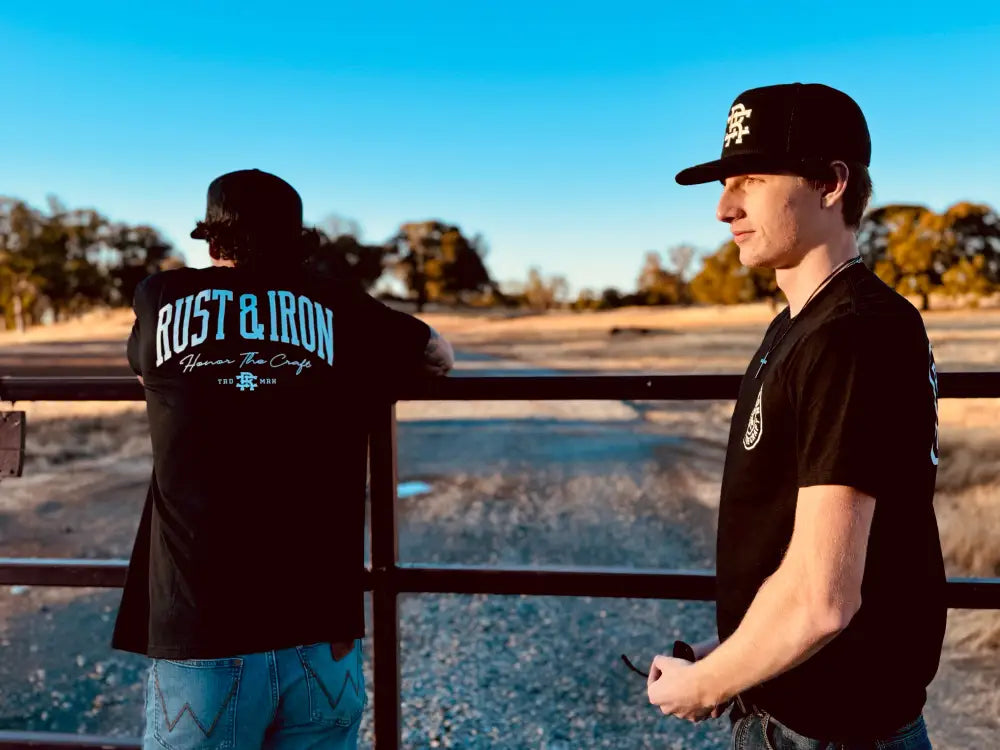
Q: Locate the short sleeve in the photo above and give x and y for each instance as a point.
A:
(133, 348)
(394, 339)
(840, 381)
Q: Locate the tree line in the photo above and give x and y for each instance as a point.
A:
(59, 262)
(916, 251)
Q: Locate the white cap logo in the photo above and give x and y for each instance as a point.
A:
(736, 128)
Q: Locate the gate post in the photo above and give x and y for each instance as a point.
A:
(384, 556)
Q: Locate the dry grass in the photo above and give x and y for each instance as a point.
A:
(92, 437)
(968, 487)
(91, 326)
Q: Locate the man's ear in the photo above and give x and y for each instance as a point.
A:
(835, 185)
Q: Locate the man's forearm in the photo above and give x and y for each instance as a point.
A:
(779, 631)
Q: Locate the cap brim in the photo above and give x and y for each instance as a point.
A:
(734, 165)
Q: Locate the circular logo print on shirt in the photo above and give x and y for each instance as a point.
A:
(755, 426)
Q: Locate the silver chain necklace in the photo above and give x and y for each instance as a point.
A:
(840, 267)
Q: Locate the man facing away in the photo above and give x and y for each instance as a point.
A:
(830, 604)
(245, 583)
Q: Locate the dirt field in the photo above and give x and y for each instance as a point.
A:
(88, 463)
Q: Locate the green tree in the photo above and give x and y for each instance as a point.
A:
(345, 257)
(610, 299)
(66, 261)
(19, 284)
(438, 263)
(140, 251)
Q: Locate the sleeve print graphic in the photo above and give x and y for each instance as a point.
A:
(295, 320)
(933, 377)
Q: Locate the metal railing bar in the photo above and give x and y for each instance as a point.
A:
(698, 386)
(388, 577)
(535, 580)
(384, 556)
(61, 741)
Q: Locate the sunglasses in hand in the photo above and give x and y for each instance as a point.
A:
(681, 650)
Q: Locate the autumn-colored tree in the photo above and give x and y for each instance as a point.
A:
(657, 286)
(585, 300)
(542, 293)
(919, 252)
(972, 230)
(724, 280)
(878, 224)
(680, 257)
(917, 257)
(967, 278)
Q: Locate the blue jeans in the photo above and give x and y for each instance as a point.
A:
(761, 731)
(288, 699)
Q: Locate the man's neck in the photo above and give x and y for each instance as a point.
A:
(799, 282)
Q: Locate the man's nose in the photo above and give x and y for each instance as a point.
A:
(729, 208)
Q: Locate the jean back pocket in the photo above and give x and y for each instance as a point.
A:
(194, 703)
(336, 688)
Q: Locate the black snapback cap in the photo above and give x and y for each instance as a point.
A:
(252, 198)
(791, 127)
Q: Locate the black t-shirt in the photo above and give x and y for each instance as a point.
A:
(848, 397)
(259, 387)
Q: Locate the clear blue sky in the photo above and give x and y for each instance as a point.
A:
(555, 130)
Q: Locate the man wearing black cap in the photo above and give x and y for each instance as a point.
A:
(830, 601)
(245, 583)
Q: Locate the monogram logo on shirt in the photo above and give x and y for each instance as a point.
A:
(755, 426)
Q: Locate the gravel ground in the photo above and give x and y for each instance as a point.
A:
(551, 676)
(579, 484)
(483, 671)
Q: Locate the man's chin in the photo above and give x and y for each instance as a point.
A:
(750, 259)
